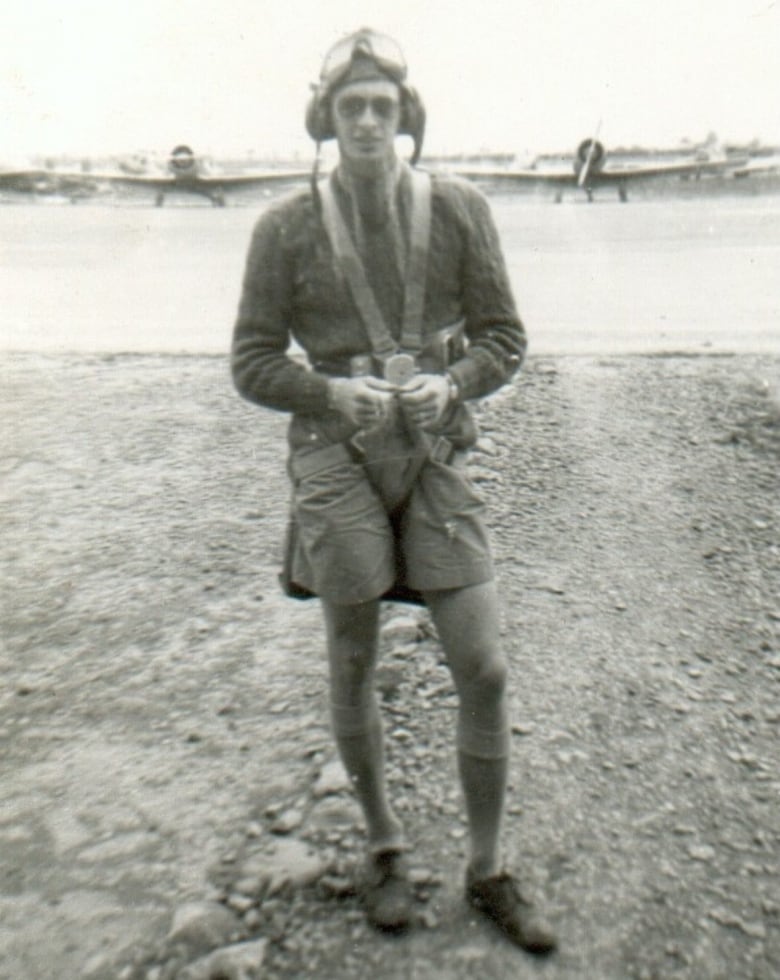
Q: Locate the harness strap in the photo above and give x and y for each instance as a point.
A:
(417, 265)
(382, 341)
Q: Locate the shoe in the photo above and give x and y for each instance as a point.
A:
(499, 898)
(387, 896)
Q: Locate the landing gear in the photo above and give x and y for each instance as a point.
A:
(622, 193)
(159, 199)
(217, 198)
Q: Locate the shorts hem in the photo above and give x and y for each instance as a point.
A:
(352, 597)
(453, 578)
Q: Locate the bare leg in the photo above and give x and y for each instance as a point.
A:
(467, 621)
(352, 633)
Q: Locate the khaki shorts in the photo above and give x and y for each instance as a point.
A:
(349, 550)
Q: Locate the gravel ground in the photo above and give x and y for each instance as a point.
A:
(168, 778)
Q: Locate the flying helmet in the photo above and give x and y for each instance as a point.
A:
(347, 60)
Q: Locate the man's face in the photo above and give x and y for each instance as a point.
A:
(366, 115)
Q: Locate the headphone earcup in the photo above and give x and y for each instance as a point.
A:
(318, 121)
(412, 118)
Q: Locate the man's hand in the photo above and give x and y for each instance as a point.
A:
(424, 399)
(365, 401)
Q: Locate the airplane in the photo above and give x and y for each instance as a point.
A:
(188, 173)
(589, 171)
(767, 166)
(44, 180)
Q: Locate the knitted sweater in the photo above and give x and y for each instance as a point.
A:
(292, 290)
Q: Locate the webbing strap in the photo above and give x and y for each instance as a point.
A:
(417, 267)
(382, 342)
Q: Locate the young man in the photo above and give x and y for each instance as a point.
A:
(393, 284)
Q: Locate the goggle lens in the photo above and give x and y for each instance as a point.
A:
(380, 48)
(354, 106)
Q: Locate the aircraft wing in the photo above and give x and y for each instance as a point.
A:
(164, 182)
(256, 179)
(650, 171)
(563, 178)
(41, 180)
(15, 178)
(560, 178)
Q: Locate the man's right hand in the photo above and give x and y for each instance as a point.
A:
(365, 401)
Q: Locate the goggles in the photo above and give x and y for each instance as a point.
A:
(352, 106)
(379, 48)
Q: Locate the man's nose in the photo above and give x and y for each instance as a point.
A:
(368, 117)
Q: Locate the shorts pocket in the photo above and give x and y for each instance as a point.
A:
(344, 534)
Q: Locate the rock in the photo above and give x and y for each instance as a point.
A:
(401, 623)
(337, 886)
(334, 813)
(290, 865)
(402, 735)
(97, 967)
(701, 852)
(487, 446)
(523, 729)
(254, 829)
(203, 926)
(242, 961)
(388, 680)
(423, 876)
(240, 903)
(332, 779)
(428, 919)
(756, 930)
(287, 822)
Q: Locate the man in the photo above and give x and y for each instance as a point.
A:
(393, 284)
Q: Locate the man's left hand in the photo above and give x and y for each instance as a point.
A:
(425, 398)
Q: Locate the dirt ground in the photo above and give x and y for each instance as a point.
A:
(164, 737)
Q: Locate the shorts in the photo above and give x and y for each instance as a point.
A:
(349, 550)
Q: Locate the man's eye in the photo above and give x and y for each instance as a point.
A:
(355, 105)
(352, 106)
(382, 107)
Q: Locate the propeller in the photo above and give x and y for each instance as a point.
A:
(585, 169)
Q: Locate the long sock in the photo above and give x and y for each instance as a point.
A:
(359, 737)
(484, 788)
(483, 760)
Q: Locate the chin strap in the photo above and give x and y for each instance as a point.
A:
(314, 179)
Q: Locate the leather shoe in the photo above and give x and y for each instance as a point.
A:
(387, 895)
(499, 898)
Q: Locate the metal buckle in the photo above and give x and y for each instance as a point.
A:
(399, 368)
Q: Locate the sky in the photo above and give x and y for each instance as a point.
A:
(232, 77)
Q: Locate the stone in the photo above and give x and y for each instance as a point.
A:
(203, 926)
(287, 822)
(402, 623)
(291, 864)
(487, 446)
(756, 930)
(338, 886)
(332, 779)
(701, 852)
(241, 961)
(523, 728)
(334, 813)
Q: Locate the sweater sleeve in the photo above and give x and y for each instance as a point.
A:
(263, 370)
(496, 334)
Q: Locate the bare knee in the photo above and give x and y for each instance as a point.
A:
(352, 633)
(482, 676)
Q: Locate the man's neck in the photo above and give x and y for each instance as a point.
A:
(372, 187)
